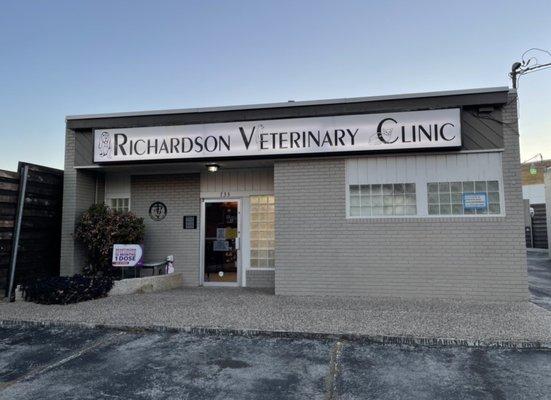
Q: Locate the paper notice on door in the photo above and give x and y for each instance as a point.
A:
(220, 233)
(220, 245)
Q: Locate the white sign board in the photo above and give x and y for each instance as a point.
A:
(475, 201)
(127, 255)
(348, 133)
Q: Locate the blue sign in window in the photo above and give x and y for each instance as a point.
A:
(475, 200)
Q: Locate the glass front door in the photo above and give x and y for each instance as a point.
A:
(221, 242)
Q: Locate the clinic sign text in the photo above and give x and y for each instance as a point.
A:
(349, 133)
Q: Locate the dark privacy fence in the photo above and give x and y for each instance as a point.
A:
(40, 196)
(539, 226)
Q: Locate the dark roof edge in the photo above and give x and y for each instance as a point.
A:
(294, 103)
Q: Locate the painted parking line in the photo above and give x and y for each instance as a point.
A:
(334, 370)
(33, 372)
(23, 349)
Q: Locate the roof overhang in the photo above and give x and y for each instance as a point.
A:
(482, 96)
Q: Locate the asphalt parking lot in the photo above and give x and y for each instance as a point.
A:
(40, 362)
(539, 278)
(81, 363)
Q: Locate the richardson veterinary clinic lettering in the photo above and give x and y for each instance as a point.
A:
(362, 132)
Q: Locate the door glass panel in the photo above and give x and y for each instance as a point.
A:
(221, 235)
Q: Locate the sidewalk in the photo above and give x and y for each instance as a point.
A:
(254, 312)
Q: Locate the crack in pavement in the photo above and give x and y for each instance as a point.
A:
(334, 369)
(110, 339)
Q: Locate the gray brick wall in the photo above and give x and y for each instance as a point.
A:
(79, 191)
(260, 279)
(69, 204)
(180, 194)
(320, 252)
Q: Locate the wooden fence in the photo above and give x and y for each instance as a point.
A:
(40, 232)
(9, 187)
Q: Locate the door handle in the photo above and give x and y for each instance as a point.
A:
(237, 243)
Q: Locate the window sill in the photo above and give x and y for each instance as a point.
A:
(259, 269)
(429, 218)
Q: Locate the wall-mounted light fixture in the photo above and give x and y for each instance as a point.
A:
(212, 167)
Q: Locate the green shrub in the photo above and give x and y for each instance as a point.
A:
(98, 229)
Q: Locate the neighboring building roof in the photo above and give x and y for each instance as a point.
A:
(479, 91)
(529, 179)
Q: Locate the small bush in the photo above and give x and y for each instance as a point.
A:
(99, 228)
(66, 290)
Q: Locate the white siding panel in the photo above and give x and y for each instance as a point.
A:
(117, 186)
(352, 172)
(238, 182)
(448, 167)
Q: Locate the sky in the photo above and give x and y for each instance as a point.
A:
(61, 58)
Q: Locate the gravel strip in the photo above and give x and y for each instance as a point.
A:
(246, 311)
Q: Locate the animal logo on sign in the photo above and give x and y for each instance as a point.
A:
(104, 145)
(157, 211)
(384, 134)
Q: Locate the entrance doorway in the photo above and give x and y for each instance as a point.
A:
(221, 256)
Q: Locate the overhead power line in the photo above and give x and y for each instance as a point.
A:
(528, 65)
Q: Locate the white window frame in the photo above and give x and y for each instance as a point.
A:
(240, 273)
(500, 191)
(117, 186)
(109, 202)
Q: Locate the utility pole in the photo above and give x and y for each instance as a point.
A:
(514, 73)
(521, 68)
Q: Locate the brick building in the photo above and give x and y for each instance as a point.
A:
(415, 195)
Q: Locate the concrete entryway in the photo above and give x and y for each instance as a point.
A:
(234, 310)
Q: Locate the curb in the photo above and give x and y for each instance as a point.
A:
(251, 333)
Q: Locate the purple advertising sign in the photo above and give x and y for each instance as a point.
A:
(127, 255)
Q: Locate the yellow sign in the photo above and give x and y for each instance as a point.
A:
(231, 233)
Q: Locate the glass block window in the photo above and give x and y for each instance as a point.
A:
(262, 232)
(446, 198)
(121, 204)
(392, 199)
